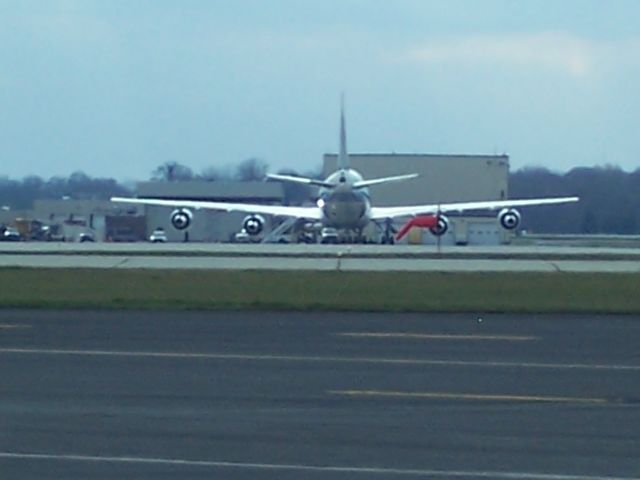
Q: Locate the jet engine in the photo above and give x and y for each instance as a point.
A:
(253, 224)
(509, 218)
(181, 218)
(441, 226)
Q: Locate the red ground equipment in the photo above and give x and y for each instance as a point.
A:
(422, 221)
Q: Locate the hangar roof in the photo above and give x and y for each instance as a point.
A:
(228, 191)
(47, 208)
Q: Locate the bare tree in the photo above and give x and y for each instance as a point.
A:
(213, 174)
(251, 169)
(172, 172)
(21, 194)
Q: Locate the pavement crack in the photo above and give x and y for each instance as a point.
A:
(122, 262)
(555, 267)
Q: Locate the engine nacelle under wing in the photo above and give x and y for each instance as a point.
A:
(509, 218)
(181, 218)
(441, 227)
(253, 224)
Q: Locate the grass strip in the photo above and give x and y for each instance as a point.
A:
(311, 290)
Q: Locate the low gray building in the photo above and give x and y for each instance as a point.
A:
(207, 225)
(8, 216)
(77, 216)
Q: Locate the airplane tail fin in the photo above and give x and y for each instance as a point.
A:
(343, 157)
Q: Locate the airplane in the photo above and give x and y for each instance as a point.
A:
(344, 203)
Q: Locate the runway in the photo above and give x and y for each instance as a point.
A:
(325, 395)
(321, 257)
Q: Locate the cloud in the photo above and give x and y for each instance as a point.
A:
(550, 50)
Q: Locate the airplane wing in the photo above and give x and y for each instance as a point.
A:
(311, 213)
(379, 213)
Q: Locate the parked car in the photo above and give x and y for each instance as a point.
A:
(158, 236)
(242, 237)
(86, 237)
(11, 235)
(329, 235)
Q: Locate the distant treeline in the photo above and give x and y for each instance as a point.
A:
(609, 200)
(20, 194)
(609, 196)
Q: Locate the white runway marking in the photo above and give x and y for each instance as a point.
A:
(306, 468)
(6, 326)
(303, 358)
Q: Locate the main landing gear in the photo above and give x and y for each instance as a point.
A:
(387, 237)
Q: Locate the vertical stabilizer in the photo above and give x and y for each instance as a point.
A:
(343, 157)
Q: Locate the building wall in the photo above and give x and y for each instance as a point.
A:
(82, 216)
(120, 228)
(464, 231)
(45, 210)
(8, 217)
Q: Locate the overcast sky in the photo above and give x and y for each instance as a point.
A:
(116, 88)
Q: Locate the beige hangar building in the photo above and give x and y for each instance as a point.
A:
(443, 179)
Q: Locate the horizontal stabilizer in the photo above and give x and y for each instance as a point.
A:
(377, 181)
(302, 180)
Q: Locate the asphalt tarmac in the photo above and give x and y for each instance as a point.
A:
(251, 395)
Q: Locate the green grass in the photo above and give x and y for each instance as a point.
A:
(215, 289)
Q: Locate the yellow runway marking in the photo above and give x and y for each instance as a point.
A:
(317, 359)
(468, 396)
(427, 336)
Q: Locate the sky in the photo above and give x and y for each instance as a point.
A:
(115, 88)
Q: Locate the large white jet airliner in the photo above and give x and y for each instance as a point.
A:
(344, 203)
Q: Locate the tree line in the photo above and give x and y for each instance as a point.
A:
(609, 196)
(609, 200)
(251, 169)
(20, 194)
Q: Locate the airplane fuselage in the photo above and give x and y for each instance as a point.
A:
(343, 206)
